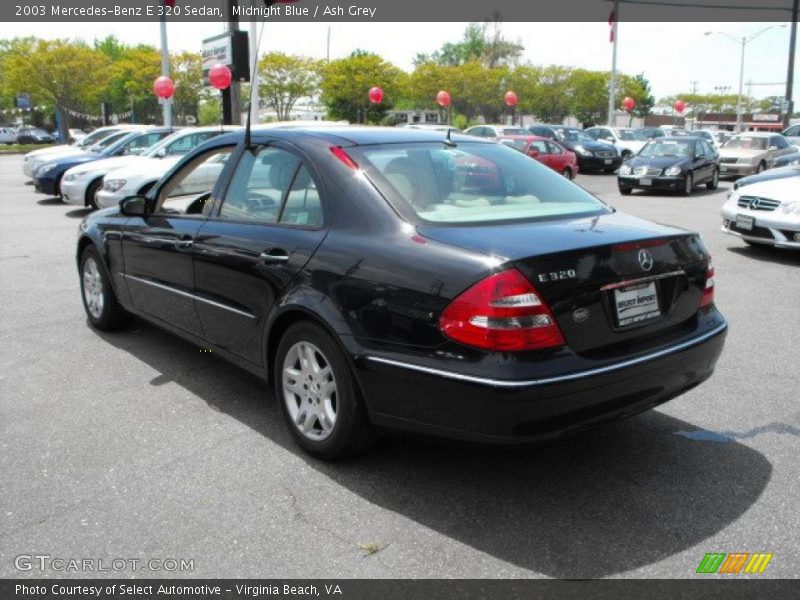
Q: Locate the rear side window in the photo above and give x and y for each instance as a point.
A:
(471, 183)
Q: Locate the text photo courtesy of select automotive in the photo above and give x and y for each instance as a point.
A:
(332, 300)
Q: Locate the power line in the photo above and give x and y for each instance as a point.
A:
(711, 6)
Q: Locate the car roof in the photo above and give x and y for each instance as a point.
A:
(360, 135)
(756, 134)
(527, 138)
(679, 138)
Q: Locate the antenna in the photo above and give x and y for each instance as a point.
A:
(253, 84)
(447, 141)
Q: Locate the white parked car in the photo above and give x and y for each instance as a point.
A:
(8, 135)
(80, 184)
(140, 175)
(765, 213)
(34, 160)
(627, 140)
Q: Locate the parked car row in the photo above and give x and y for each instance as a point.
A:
(36, 135)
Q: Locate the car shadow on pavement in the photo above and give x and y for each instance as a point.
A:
(782, 256)
(594, 505)
(78, 213)
(50, 202)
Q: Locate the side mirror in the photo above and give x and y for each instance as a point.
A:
(161, 153)
(133, 206)
(533, 153)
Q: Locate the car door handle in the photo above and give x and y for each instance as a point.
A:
(184, 243)
(275, 255)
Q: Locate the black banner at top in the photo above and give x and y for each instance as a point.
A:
(395, 10)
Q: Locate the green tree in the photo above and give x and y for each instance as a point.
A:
(482, 42)
(346, 83)
(187, 72)
(589, 96)
(638, 88)
(67, 74)
(285, 78)
(550, 98)
(131, 82)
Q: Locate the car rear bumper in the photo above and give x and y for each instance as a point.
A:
(443, 402)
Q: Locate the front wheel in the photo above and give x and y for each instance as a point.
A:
(762, 166)
(625, 190)
(91, 194)
(567, 172)
(688, 184)
(99, 300)
(318, 394)
(714, 183)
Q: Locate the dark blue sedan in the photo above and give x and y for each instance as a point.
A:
(47, 178)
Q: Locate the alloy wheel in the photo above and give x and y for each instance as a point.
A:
(309, 391)
(93, 292)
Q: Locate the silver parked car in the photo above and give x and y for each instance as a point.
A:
(765, 213)
(749, 153)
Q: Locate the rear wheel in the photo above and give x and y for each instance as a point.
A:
(567, 172)
(688, 184)
(91, 194)
(714, 183)
(318, 395)
(99, 300)
(762, 166)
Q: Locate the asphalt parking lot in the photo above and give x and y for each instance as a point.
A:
(137, 445)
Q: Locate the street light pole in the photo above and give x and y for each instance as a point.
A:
(743, 42)
(166, 103)
(612, 87)
(741, 86)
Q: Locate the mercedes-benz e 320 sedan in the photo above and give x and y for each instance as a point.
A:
(401, 279)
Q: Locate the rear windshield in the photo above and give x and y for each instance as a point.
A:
(472, 183)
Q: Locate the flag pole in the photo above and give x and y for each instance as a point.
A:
(612, 88)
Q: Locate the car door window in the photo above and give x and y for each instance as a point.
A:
(187, 191)
(779, 143)
(259, 185)
(303, 205)
(539, 145)
(144, 141)
(553, 148)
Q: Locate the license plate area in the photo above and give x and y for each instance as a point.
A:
(636, 304)
(607, 161)
(645, 182)
(745, 222)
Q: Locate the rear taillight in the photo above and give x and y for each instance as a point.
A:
(503, 312)
(708, 291)
(340, 153)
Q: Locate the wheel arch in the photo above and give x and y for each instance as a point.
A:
(86, 201)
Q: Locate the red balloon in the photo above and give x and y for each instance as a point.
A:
(220, 76)
(628, 104)
(679, 105)
(375, 95)
(510, 98)
(443, 99)
(164, 87)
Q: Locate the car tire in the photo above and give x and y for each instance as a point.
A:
(714, 183)
(99, 300)
(688, 184)
(91, 193)
(318, 395)
(567, 172)
(762, 166)
(625, 190)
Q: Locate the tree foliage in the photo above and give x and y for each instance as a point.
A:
(346, 83)
(284, 79)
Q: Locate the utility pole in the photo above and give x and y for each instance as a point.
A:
(166, 103)
(790, 72)
(255, 100)
(694, 86)
(612, 88)
(232, 96)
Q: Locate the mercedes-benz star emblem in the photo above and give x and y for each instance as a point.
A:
(755, 203)
(645, 260)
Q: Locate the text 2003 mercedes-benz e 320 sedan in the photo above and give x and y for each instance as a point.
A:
(398, 279)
